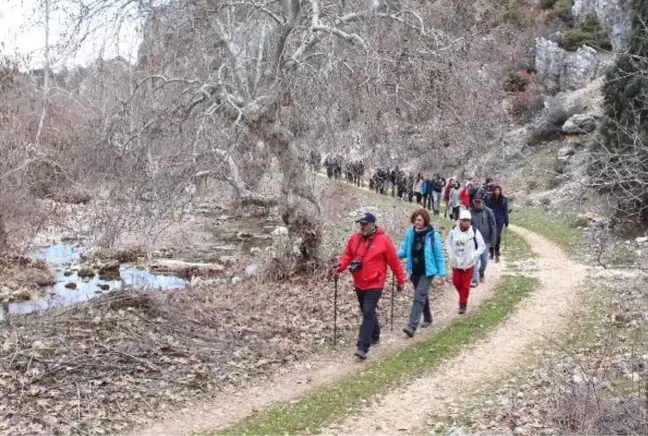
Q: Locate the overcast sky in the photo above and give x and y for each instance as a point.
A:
(22, 36)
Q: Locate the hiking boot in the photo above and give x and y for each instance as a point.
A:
(362, 355)
(426, 324)
(491, 256)
(409, 332)
(481, 279)
(474, 284)
(462, 309)
(497, 258)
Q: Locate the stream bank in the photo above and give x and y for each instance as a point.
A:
(79, 273)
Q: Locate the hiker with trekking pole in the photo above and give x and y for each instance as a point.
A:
(367, 255)
(425, 260)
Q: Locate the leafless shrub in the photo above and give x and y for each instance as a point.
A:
(526, 104)
(589, 410)
(546, 133)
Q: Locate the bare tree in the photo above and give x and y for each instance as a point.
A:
(209, 65)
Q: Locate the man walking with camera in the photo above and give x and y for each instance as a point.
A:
(367, 255)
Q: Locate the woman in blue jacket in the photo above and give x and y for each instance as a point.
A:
(423, 250)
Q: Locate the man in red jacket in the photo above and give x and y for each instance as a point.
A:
(367, 255)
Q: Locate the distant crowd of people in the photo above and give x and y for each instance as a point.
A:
(481, 212)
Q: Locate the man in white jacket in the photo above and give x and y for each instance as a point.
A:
(464, 245)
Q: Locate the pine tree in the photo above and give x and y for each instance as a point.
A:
(623, 161)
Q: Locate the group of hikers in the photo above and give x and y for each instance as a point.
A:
(481, 213)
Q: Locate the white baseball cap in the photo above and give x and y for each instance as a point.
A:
(465, 215)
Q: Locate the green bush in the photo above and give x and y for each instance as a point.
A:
(588, 32)
(580, 221)
(515, 14)
(546, 4)
(562, 10)
(620, 163)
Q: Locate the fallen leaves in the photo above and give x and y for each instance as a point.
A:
(128, 356)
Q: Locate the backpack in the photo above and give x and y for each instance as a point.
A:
(474, 236)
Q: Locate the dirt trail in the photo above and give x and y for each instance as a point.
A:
(538, 318)
(228, 408)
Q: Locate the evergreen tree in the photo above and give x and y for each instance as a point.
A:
(622, 161)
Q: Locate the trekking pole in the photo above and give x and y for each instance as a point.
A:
(335, 296)
(392, 301)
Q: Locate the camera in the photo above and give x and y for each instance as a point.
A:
(355, 265)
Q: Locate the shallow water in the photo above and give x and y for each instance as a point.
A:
(228, 240)
(61, 257)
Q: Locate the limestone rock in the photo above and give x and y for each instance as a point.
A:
(580, 123)
(566, 152)
(614, 15)
(253, 270)
(560, 70)
(187, 269)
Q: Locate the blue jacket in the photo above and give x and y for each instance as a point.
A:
(499, 208)
(434, 257)
(424, 187)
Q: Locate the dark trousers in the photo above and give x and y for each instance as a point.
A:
(500, 227)
(425, 199)
(370, 328)
(418, 197)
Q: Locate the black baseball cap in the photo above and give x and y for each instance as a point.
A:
(367, 218)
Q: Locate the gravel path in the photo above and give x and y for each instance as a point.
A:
(539, 317)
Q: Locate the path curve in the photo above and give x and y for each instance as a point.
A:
(228, 408)
(540, 316)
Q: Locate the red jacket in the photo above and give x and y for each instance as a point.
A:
(464, 196)
(381, 252)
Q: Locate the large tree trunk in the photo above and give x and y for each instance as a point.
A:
(298, 205)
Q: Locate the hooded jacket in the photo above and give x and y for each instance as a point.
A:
(436, 186)
(433, 253)
(376, 251)
(446, 191)
(499, 206)
(465, 196)
(484, 220)
(461, 247)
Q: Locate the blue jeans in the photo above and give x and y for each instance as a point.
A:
(421, 303)
(480, 266)
(436, 198)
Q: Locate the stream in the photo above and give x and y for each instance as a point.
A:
(64, 258)
(231, 236)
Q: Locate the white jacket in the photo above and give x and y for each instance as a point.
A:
(460, 247)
